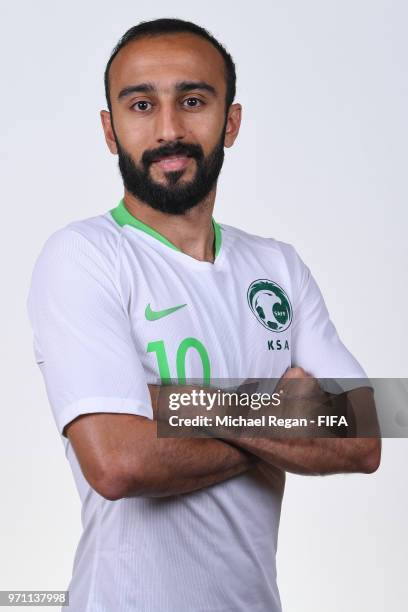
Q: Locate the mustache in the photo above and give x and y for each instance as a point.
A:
(177, 148)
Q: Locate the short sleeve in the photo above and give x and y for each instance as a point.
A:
(82, 338)
(316, 345)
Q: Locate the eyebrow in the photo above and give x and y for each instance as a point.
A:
(183, 86)
(140, 88)
(190, 85)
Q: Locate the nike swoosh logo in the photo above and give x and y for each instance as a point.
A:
(153, 315)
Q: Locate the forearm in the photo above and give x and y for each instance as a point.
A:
(316, 456)
(156, 467)
(322, 455)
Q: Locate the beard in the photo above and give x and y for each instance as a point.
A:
(176, 196)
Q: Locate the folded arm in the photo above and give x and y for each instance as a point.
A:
(331, 455)
(316, 456)
(121, 456)
(310, 455)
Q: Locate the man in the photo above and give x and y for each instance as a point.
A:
(157, 289)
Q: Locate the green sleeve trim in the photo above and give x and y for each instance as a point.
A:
(123, 217)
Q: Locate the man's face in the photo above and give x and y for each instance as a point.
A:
(169, 124)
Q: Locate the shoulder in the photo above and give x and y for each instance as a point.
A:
(254, 242)
(99, 233)
(84, 248)
(278, 257)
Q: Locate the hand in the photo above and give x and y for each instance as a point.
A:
(302, 397)
(300, 388)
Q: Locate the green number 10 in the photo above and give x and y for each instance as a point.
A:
(162, 361)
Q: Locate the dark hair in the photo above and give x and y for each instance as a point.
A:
(158, 27)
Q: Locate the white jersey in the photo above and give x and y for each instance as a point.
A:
(114, 306)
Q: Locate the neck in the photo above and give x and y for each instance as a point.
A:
(192, 232)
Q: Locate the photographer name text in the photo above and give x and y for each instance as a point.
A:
(261, 421)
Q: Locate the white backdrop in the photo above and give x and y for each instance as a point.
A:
(320, 163)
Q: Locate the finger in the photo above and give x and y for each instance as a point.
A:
(296, 372)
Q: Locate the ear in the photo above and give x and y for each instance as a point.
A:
(108, 130)
(233, 123)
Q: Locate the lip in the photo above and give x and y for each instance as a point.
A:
(173, 162)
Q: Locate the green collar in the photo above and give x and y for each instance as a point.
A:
(123, 217)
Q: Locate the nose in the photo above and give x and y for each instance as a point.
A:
(169, 126)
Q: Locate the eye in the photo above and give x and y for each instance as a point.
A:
(193, 102)
(142, 105)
